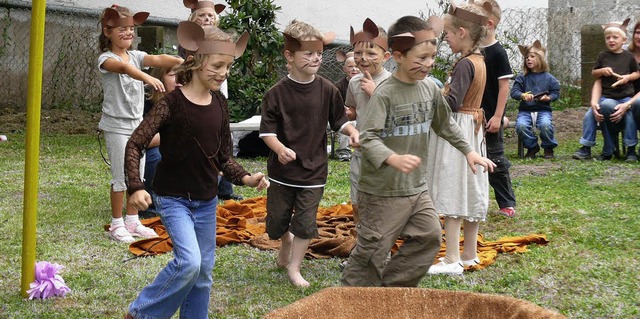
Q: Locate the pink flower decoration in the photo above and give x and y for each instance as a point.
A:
(48, 283)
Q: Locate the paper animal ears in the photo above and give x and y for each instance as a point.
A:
(195, 5)
(191, 36)
(536, 47)
(292, 44)
(405, 41)
(622, 26)
(341, 56)
(470, 16)
(369, 34)
(112, 19)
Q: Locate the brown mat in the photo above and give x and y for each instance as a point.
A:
(389, 303)
(244, 222)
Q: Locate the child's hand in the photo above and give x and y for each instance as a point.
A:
(256, 180)
(474, 159)
(608, 71)
(595, 108)
(350, 112)
(620, 110)
(286, 155)
(544, 98)
(526, 96)
(404, 163)
(154, 83)
(139, 200)
(622, 79)
(493, 125)
(367, 84)
(354, 139)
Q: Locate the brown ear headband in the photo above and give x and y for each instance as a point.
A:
(468, 15)
(342, 56)
(292, 44)
(195, 5)
(405, 41)
(370, 34)
(536, 47)
(191, 37)
(112, 19)
(622, 26)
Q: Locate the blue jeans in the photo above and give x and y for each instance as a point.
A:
(185, 282)
(589, 126)
(524, 128)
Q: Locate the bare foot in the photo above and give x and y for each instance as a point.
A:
(284, 254)
(296, 278)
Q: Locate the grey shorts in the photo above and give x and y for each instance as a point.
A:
(292, 209)
(116, 144)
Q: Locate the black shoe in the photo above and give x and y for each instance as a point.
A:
(235, 197)
(604, 157)
(531, 153)
(582, 153)
(631, 154)
(548, 153)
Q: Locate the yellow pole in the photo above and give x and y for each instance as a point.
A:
(32, 152)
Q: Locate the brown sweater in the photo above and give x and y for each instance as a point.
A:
(184, 170)
(298, 114)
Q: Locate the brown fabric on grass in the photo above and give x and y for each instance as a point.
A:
(390, 303)
(244, 222)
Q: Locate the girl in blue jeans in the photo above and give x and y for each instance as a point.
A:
(193, 122)
(536, 88)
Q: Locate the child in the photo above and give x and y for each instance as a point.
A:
(458, 192)
(350, 70)
(152, 154)
(536, 88)
(370, 49)
(193, 121)
(494, 101)
(295, 112)
(615, 70)
(205, 14)
(122, 106)
(392, 189)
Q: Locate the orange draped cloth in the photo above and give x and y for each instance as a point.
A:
(244, 222)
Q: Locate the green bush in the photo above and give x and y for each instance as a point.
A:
(257, 70)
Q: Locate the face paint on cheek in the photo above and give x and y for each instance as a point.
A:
(416, 68)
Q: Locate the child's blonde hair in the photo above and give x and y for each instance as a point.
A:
(104, 43)
(496, 12)
(303, 31)
(477, 31)
(184, 72)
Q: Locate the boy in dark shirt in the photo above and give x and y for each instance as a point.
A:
(295, 112)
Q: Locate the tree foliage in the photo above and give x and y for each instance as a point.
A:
(257, 70)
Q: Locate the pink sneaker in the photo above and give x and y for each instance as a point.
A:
(120, 233)
(507, 211)
(139, 230)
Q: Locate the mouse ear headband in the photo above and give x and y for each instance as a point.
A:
(112, 19)
(342, 56)
(468, 15)
(195, 5)
(622, 26)
(536, 47)
(292, 44)
(369, 34)
(405, 41)
(191, 37)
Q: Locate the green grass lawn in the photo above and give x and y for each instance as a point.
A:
(588, 210)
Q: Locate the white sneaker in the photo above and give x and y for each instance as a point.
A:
(472, 262)
(455, 268)
(139, 230)
(120, 233)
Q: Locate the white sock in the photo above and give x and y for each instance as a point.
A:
(117, 222)
(129, 219)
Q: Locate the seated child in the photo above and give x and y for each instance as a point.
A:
(536, 88)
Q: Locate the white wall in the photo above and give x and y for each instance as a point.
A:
(328, 15)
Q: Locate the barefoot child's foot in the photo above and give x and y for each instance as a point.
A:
(284, 254)
(296, 278)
